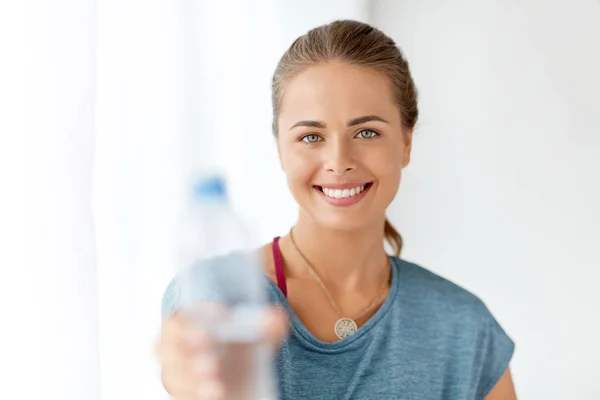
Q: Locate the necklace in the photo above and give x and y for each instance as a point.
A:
(344, 326)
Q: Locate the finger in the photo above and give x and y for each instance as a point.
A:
(179, 334)
(189, 363)
(198, 390)
(191, 376)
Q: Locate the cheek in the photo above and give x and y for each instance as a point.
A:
(386, 168)
(386, 164)
(389, 179)
(298, 169)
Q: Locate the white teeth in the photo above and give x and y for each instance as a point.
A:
(342, 193)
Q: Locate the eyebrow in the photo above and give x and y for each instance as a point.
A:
(352, 122)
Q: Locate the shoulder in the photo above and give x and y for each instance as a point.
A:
(436, 304)
(440, 302)
(213, 278)
(420, 285)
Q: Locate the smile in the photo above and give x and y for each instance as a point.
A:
(344, 195)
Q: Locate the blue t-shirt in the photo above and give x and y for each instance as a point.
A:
(430, 339)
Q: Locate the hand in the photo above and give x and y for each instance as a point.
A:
(190, 367)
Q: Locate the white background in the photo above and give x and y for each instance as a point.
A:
(503, 194)
(106, 106)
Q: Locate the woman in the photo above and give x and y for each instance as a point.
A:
(364, 325)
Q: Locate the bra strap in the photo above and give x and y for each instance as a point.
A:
(278, 260)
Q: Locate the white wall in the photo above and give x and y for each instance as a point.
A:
(503, 192)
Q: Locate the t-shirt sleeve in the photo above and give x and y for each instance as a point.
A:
(232, 278)
(497, 351)
(169, 299)
(206, 280)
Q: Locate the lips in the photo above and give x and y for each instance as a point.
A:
(344, 194)
(338, 193)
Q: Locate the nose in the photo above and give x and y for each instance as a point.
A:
(340, 158)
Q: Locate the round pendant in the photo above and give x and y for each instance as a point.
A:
(345, 327)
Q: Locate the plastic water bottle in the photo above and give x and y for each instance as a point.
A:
(222, 287)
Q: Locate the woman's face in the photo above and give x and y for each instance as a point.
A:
(341, 144)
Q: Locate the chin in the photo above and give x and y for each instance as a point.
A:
(342, 222)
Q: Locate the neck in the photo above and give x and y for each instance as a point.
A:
(344, 259)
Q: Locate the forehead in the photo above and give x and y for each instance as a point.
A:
(335, 89)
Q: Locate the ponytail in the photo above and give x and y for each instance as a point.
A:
(393, 238)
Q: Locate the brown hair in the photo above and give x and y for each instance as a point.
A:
(355, 43)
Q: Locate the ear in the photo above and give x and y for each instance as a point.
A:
(407, 148)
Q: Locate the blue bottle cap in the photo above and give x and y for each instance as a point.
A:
(209, 187)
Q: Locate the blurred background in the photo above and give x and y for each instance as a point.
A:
(107, 105)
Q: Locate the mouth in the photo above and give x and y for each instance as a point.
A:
(335, 193)
(344, 195)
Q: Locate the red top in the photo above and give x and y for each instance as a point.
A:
(278, 260)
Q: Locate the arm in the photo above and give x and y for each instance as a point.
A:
(504, 389)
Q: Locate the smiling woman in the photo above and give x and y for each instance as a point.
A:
(364, 324)
(355, 137)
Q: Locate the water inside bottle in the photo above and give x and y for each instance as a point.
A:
(238, 339)
(241, 377)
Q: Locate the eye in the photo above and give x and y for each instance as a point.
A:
(367, 134)
(312, 138)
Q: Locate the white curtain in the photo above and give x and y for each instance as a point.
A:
(48, 343)
(106, 106)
